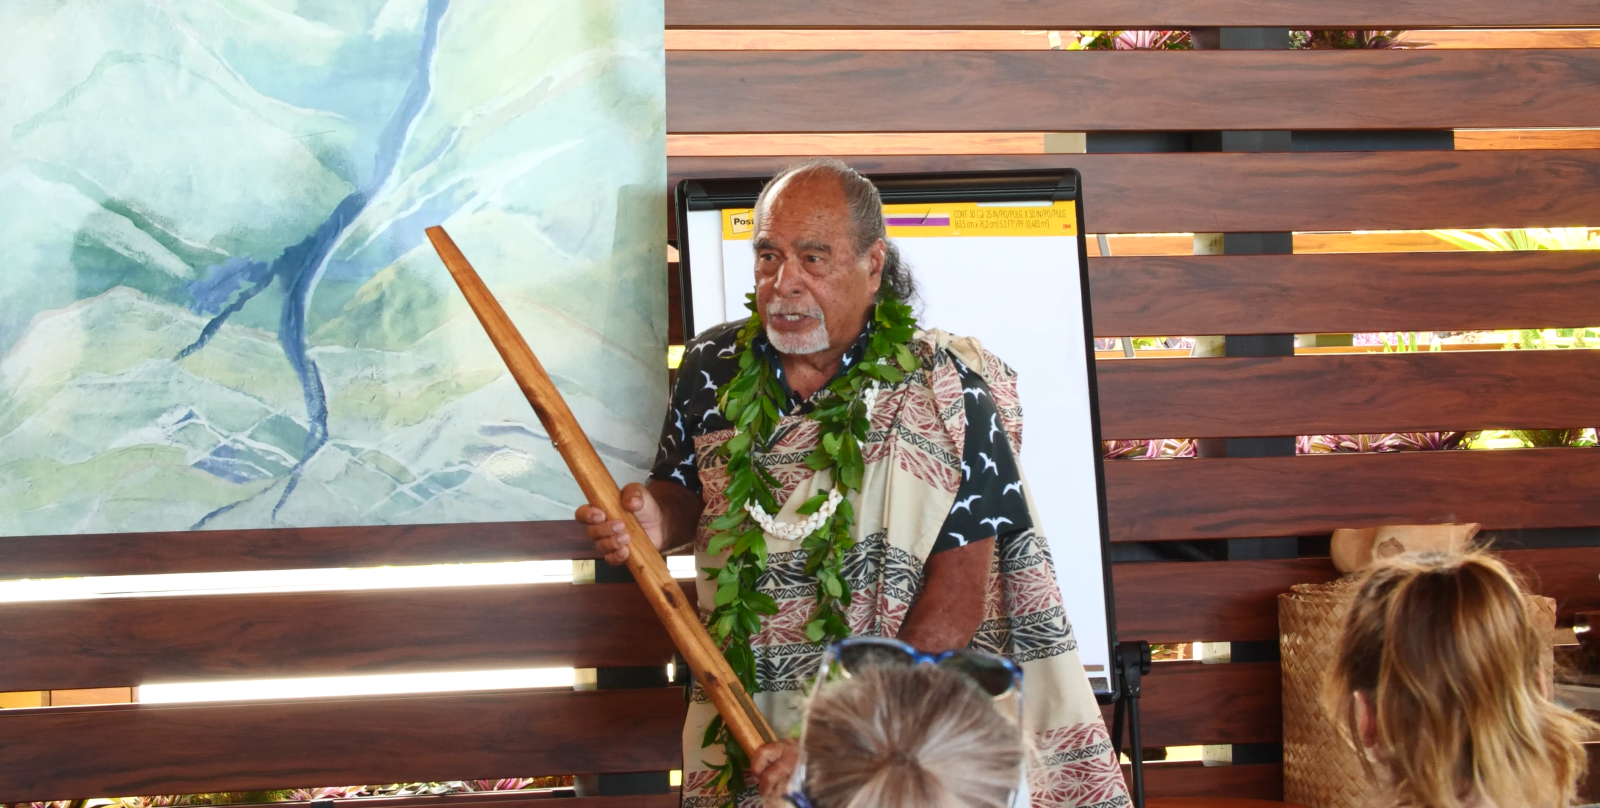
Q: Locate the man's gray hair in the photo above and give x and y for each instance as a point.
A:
(866, 220)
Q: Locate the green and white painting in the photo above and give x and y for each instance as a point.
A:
(217, 305)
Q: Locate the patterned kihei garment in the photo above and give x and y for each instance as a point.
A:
(913, 471)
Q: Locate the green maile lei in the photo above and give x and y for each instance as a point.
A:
(752, 401)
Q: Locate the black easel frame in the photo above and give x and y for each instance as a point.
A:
(1131, 661)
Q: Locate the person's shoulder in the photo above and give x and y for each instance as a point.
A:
(713, 343)
(722, 333)
(968, 351)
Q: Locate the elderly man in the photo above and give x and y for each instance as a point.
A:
(841, 472)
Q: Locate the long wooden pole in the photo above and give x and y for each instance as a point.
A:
(711, 671)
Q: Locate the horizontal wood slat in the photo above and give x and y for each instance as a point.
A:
(1230, 397)
(1210, 601)
(288, 548)
(121, 750)
(1040, 39)
(849, 143)
(109, 642)
(491, 799)
(1193, 779)
(1190, 703)
(1219, 498)
(1237, 601)
(1570, 575)
(1214, 193)
(1120, 14)
(1337, 294)
(916, 91)
(671, 800)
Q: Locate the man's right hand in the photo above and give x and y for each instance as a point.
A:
(609, 535)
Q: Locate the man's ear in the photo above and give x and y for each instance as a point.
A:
(1366, 721)
(876, 255)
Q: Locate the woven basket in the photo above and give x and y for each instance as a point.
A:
(1320, 769)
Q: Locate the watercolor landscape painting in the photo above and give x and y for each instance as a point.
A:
(217, 305)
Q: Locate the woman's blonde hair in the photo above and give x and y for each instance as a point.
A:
(1454, 671)
(913, 737)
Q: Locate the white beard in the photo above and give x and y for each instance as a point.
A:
(812, 341)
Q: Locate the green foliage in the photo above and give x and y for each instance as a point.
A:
(1533, 238)
(1530, 438)
(1128, 40)
(1343, 40)
(750, 401)
(1406, 342)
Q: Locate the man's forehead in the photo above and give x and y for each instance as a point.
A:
(811, 193)
(804, 213)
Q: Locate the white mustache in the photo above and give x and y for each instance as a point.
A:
(776, 308)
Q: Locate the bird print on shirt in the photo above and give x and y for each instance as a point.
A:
(995, 522)
(988, 462)
(981, 507)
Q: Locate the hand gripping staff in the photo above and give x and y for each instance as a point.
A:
(711, 671)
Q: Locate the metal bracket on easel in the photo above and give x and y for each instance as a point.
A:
(1131, 664)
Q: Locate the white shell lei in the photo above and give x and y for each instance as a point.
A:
(795, 531)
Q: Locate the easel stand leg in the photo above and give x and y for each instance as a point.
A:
(1132, 662)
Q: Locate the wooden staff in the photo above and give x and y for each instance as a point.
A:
(711, 671)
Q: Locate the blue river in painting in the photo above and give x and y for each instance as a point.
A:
(299, 267)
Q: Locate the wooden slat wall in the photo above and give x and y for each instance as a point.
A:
(1346, 393)
(1220, 498)
(288, 549)
(1187, 703)
(1237, 600)
(789, 91)
(1196, 780)
(1358, 292)
(77, 752)
(502, 799)
(110, 642)
(1124, 14)
(1254, 193)
(1039, 39)
(720, 107)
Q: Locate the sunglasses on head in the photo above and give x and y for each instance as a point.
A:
(994, 675)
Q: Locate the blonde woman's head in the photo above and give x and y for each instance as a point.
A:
(913, 737)
(1441, 678)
